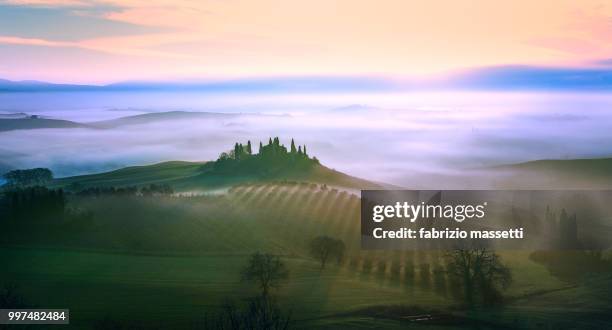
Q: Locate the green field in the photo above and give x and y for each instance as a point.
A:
(177, 291)
(169, 261)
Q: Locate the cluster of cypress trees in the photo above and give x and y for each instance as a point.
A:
(271, 158)
(275, 148)
(272, 149)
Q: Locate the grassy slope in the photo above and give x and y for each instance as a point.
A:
(173, 172)
(186, 176)
(175, 257)
(171, 258)
(172, 292)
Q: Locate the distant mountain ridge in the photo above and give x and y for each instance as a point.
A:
(496, 78)
(37, 86)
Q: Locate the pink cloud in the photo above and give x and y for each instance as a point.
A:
(125, 45)
(35, 42)
(47, 3)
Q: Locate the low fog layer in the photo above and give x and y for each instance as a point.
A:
(406, 140)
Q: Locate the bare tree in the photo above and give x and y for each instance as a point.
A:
(480, 272)
(266, 270)
(323, 247)
(260, 313)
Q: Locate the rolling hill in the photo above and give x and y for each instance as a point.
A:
(273, 163)
(593, 173)
(188, 176)
(153, 117)
(588, 166)
(33, 122)
(166, 259)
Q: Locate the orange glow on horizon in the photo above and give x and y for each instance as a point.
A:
(199, 39)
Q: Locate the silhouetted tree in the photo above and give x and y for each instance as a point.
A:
(439, 280)
(236, 151)
(266, 270)
(409, 271)
(323, 247)
(396, 268)
(248, 148)
(293, 150)
(261, 313)
(568, 231)
(424, 276)
(480, 272)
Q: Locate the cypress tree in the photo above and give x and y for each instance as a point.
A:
(236, 151)
(293, 147)
(299, 150)
(305, 154)
(260, 147)
(248, 148)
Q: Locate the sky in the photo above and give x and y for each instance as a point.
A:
(105, 41)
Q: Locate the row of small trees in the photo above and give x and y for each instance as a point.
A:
(477, 272)
(149, 190)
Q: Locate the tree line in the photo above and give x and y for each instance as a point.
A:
(28, 177)
(34, 203)
(146, 191)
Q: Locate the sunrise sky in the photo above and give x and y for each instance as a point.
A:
(105, 41)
